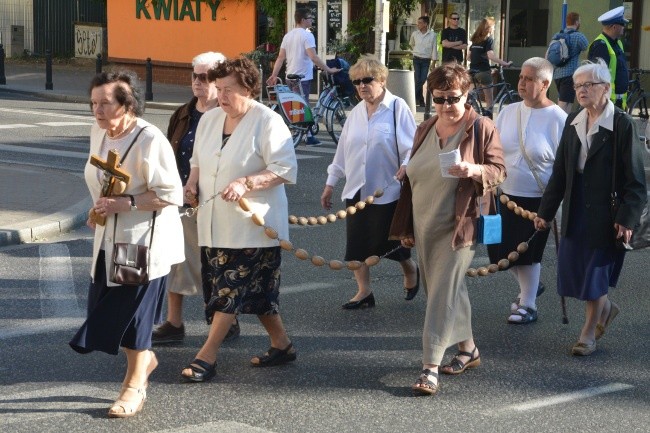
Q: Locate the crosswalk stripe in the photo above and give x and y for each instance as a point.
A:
(50, 152)
(56, 284)
(64, 124)
(45, 113)
(17, 126)
(216, 426)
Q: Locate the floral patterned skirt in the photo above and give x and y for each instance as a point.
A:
(242, 280)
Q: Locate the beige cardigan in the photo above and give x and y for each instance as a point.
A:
(152, 166)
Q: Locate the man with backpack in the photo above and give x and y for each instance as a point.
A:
(565, 59)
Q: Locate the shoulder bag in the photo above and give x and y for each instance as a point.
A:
(488, 226)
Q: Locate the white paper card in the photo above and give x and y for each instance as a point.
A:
(448, 160)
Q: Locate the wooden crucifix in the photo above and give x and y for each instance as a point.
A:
(115, 180)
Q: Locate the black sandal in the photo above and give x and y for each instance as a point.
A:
(525, 314)
(275, 357)
(456, 366)
(203, 374)
(424, 385)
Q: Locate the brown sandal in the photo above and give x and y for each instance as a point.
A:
(424, 385)
(456, 366)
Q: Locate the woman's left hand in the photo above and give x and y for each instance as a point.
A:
(234, 191)
(401, 173)
(623, 233)
(105, 206)
(465, 169)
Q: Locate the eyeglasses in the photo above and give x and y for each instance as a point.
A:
(586, 85)
(309, 18)
(365, 80)
(454, 18)
(203, 77)
(449, 100)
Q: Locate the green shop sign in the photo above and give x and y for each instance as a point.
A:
(177, 10)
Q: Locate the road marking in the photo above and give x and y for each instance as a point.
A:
(45, 113)
(566, 398)
(317, 149)
(17, 126)
(217, 426)
(306, 156)
(58, 401)
(21, 328)
(299, 288)
(56, 285)
(49, 152)
(64, 124)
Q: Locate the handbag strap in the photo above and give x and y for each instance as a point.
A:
(476, 123)
(128, 149)
(399, 161)
(532, 167)
(613, 195)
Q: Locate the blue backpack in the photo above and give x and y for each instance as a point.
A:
(559, 49)
(342, 78)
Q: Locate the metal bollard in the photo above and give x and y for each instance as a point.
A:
(148, 93)
(3, 79)
(98, 64)
(48, 70)
(427, 109)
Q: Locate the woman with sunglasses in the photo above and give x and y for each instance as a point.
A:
(598, 157)
(185, 278)
(437, 212)
(372, 154)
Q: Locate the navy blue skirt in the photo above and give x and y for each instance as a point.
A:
(584, 273)
(120, 316)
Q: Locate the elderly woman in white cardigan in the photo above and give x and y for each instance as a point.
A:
(242, 149)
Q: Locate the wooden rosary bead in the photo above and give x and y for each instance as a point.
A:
(119, 187)
(271, 232)
(492, 268)
(360, 205)
(370, 199)
(293, 219)
(351, 210)
(354, 265)
(318, 261)
(336, 265)
(302, 221)
(245, 204)
(322, 220)
(513, 256)
(503, 264)
(471, 272)
(378, 192)
(525, 214)
(504, 198)
(341, 214)
(372, 260)
(286, 245)
(518, 210)
(522, 247)
(257, 219)
(482, 271)
(331, 217)
(312, 221)
(511, 205)
(302, 254)
(532, 216)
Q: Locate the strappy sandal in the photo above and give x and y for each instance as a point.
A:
(424, 385)
(203, 374)
(526, 315)
(126, 409)
(613, 312)
(275, 357)
(456, 366)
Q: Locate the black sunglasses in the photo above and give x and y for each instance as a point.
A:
(203, 77)
(454, 18)
(450, 100)
(365, 80)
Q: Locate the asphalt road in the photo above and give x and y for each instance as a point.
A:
(354, 368)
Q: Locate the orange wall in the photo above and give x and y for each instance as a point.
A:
(134, 32)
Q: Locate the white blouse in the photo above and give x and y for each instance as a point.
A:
(606, 120)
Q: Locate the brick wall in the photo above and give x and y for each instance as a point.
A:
(163, 72)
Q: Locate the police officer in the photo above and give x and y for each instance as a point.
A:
(609, 47)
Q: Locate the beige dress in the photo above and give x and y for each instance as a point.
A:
(442, 270)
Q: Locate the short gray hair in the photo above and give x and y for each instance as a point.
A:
(543, 68)
(597, 71)
(209, 58)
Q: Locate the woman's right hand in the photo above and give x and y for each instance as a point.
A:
(540, 223)
(190, 194)
(408, 242)
(326, 197)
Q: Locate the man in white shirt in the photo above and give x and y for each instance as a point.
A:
(423, 43)
(299, 49)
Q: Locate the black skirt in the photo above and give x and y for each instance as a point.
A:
(515, 230)
(367, 232)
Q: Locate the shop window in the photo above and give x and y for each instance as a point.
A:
(528, 23)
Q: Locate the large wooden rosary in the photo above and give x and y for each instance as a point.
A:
(372, 260)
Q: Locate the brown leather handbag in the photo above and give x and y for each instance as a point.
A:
(130, 261)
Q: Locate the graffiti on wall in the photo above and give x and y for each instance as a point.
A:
(89, 41)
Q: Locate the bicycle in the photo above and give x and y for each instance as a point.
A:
(506, 95)
(293, 108)
(637, 105)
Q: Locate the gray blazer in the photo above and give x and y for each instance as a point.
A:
(597, 175)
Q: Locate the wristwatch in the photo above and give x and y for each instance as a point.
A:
(249, 184)
(133, 206)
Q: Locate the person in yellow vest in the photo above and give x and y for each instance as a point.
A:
(609, 47)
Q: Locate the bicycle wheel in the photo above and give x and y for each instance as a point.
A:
(335, 119)
(508, 98)
(639, 112)
(297, 132)
(473, 99)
